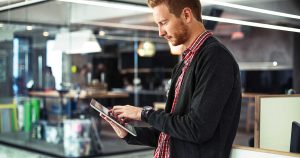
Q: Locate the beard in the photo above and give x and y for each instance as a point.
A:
(180, 36)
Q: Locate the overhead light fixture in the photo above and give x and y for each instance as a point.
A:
(45, 33)
(252, 9)
(79, 42)
(237, 35)
(29, 28)
(101, 33)
(111, 5)
(211, 18)
(146, 49)
(253, 24)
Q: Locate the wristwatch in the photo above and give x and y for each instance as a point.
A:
(146, 111)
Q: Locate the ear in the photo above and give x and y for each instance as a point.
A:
(187, 15)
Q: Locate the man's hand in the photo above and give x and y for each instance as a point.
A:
(127, 112)
(119, 131)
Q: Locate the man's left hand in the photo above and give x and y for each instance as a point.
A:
(127, 112)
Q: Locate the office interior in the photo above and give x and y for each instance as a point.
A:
(56, 55)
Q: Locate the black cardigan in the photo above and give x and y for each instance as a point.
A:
(207, 113)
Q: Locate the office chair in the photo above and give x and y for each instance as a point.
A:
(295, 138)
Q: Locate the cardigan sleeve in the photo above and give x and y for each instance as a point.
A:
(145, 136)
(214, 81)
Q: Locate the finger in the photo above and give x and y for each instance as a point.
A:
(126, 120)
(122, 116)
(117, 107)
(104, 117)
(114, 110)
(117, 113)
(114, 126)
(111, 123)
(122, 121)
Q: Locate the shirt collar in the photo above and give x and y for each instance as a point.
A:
(195, 45)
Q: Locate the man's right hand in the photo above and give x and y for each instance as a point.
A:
(120, 132)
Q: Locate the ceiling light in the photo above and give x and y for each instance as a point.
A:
(83, 41)
(46, 34)
(29, 28)
(111, 5)
(253, 24)
(275, 63)
(217, 19)
(252, 9)
(101, 33)
(146, 49)
(237, 35)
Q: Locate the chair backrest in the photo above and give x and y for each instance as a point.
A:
(295, 138)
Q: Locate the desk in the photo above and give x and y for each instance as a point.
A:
(78, 97)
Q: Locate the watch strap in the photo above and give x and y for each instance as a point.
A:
(146, 112)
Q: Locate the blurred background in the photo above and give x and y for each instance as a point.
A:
(56, 55)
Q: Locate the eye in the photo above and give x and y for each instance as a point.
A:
(163, 22)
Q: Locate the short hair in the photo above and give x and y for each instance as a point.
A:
(176, 6)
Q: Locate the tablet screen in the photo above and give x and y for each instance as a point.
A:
(103, 110)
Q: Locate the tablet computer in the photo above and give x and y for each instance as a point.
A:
(103, 110)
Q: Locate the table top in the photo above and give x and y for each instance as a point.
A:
(81, 95)
(251, 95)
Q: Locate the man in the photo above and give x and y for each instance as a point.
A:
(203, 105)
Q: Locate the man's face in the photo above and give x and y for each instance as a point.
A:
(170, 27)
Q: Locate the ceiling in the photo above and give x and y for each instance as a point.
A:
(59, 14)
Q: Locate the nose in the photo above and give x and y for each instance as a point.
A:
(161, 32)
